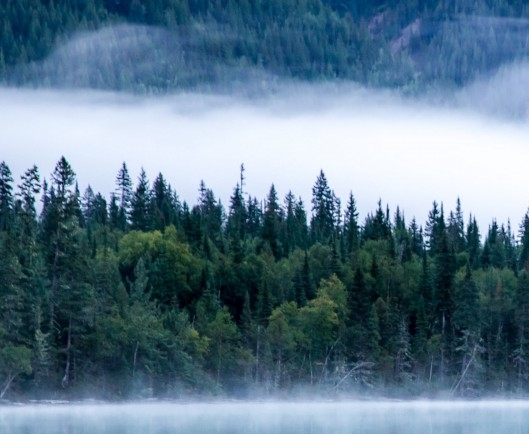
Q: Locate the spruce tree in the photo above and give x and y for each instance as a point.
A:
(140, 204)
(236, 224)
(351, 226)
(123, 196)
(272, 222)
(444, 294)
(6, 198)
(322, 222)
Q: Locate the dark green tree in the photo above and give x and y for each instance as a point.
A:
(351, 226)
(123, 195)
(140, 204)
(272, 221)
(236, 224)
(6, 198)
(322, 223)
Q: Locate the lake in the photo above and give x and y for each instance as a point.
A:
(354, 417)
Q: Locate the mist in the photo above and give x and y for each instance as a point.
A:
(406, 152)
(368, 417)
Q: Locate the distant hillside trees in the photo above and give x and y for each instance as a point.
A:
(184, 44)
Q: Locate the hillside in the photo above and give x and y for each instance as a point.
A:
(183, 44)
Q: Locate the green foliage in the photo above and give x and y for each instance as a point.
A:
(92, 308)
(183, 44)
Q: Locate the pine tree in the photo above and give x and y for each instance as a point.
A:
(301, 225)
(161, 210)
(67, 256)
(123, 196)
(27, 227)
(432, 229)
(443, 290)
(473, 242)
(272, 222)
(236, 224)
(402, 238)
(288, 230)
(140, 204)
(351, 226)
(377, 227)
(211, 215)
(59, 223)
(6, 198)
(417, 242)
(524, 242)
(456, 229)
(254, 217)
(322, 222)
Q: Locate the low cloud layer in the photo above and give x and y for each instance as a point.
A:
(406, 153)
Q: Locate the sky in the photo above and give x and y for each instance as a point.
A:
(406, 153)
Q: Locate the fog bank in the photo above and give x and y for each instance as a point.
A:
(406, 153)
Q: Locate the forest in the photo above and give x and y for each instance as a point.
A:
(171, 45)
(142, 295)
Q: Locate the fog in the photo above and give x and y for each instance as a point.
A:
(406, 152)
(366, 417)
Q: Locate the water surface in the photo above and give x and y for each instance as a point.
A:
(494, 417)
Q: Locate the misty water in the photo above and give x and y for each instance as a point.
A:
(366, 417)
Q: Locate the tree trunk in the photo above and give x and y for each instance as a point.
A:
(66, 378)
(10, 378)
(257, 351)
(54, 278)
(135, 358)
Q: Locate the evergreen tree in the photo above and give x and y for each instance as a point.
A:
(377, 227)
(140, 204)
(524, 242)
(322, 222)
(456, 229)
(123, 195)
(254, 217)
(6, 198)
(27, 226)
(417, 242)
(114, 213)
(58, 224)
(161, 210)
(272, 222)
(236, 224)
(443, 293)
(301, 225)
(473, 242)
(432, 230)
(288, 232)
(211, 215)
(351, 226)
(402, 238)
